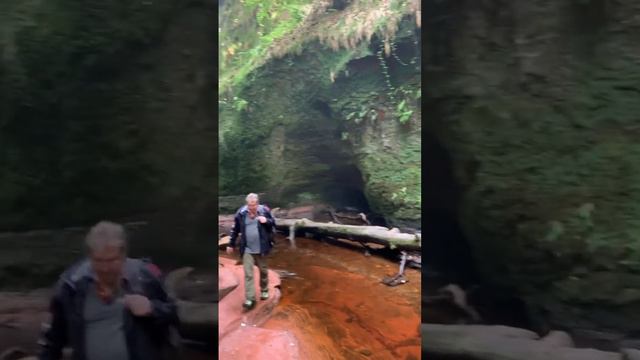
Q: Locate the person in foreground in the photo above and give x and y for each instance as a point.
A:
(255, 223)
(109, 306)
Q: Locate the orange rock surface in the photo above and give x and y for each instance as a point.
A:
(337, 308)
(239, 334)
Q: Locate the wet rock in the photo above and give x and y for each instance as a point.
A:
(230, 312)
(497, 331)
(499, 342)
(189, 285)
(227, 281)
(627, 296)
(225, 224)
(459, 298)
(14, 353)
(630, 354)
(630, 344)
(196, 302)
(558, 338)
(609, 341)
(250, 342)
(21, 316)
(224, 241)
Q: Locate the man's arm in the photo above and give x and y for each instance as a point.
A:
(54, 335)
(270, 225)
(163, 309)
(271, 222)
(235, 230)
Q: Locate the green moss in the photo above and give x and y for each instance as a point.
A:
(549, 185)
(75, 105)
(245, 38)
(285, 132)
(393, 181)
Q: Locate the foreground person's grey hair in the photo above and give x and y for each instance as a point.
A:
(252, 196)
(106, 233)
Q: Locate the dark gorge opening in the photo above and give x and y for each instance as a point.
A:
(342, 184)
(451, 256)
(445, 247)
(448, 256)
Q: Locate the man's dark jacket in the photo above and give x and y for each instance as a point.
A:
(266, 230)
(146, 337)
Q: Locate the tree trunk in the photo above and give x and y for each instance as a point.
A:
(370, 234)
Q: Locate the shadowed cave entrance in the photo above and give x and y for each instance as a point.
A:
(447, 255)
(317, 143)
(446, 250)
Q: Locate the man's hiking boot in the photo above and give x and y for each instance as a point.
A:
(264, 295)
(248, 305)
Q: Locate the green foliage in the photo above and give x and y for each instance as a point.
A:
(236, 103)
(363, 121)
(254, 31)
(403, 113)
(245, 40)
(360, 111)
(394, 181)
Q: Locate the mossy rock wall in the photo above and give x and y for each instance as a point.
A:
(541, 120)
(105, 109)
(292, 138)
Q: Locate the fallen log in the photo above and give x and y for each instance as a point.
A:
(480, 342)
(371, 234)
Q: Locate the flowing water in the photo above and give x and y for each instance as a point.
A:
(335, 303)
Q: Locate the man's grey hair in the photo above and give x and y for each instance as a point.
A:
(106, 233)
(252, 196)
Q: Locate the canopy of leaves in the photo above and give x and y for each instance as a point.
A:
(253, 31)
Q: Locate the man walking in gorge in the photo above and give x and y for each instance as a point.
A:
(109, 306)
(256, 225)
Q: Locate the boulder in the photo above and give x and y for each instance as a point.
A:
(558, 338)
(225, 224)
(481, 342)
(227, 281)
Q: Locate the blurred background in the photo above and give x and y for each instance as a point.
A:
(106, 112)
(532, 164)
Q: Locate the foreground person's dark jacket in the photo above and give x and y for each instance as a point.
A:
(266, 230)
(146, 337)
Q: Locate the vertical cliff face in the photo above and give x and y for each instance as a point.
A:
(536, 105)
(105, 124)
(106, 109)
